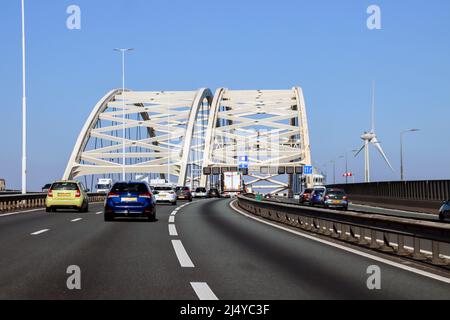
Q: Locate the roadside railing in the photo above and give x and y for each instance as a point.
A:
(10, 203)
(424, 241)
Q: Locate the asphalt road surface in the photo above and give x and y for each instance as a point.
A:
(204, 250)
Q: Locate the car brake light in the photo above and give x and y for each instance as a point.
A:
(345, 198)
(112, 195)
(78, 194)
(327, 197)
(50, 193)
(147, 195)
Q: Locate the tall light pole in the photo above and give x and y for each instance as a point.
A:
(123, 51)
(402, 176)
(334, 170)
(24, 107)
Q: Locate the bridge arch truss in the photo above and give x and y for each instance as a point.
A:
(164, 137)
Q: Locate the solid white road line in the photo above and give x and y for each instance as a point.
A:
(20, 212)
(173, 230)
(360, 253)
(76, 220)
(203, 291)
(171, 219)
(174, 212)
(100, 212)
(40, 232)
(182, 255)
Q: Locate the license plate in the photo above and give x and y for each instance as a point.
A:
(129, 199)
(337, 202)
(63, 195)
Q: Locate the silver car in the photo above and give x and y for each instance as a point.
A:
(444, 212)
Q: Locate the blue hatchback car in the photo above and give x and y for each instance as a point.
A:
(130, 199)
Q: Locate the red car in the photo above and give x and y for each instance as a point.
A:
(184, 193)
(305, 197)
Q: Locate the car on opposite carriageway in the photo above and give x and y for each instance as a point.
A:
(330, 198)
(444, 211)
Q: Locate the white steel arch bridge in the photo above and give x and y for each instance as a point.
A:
(175, 134)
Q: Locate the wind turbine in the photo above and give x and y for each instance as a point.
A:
(371, 138)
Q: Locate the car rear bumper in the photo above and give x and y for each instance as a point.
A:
(129, 211)
(336, 205)
(59, 203)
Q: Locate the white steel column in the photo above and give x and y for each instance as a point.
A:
(24, 107)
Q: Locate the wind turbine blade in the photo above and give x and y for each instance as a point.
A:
(362, 148)
(377, 145)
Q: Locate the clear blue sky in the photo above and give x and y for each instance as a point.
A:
(323, 46)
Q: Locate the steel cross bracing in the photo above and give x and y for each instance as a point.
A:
(165, 136)
(268, 126)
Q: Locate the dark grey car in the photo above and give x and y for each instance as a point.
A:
(444, 212)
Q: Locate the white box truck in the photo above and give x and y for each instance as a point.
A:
(104, 185)
(231, 184)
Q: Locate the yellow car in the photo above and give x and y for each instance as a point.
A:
(67, 195)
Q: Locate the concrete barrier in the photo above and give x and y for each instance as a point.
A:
(10, 203)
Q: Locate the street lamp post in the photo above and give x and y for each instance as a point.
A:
(402, 175)
(123, 51)
(24, 107)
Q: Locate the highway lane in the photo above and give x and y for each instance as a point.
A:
(231, 257)
(118, 260)
(244, 259)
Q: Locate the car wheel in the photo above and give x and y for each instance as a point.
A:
(87, 208)
(48, 209)
(152, 217)
(174, 203)
(108, 218)
(441, 217)
(190, 200)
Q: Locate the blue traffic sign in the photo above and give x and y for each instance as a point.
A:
(308, 170)
(243, 159)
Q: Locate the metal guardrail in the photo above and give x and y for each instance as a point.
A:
(427, 190)
(10, 203)
(419, 240)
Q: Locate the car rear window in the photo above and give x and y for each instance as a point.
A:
(200, 190)
(309, 190)
(336, 194)
(163, 189)
(66, 186)
(129, 187)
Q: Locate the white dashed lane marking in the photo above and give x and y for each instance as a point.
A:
(203, 291)
(173, 230)
(76, 220)
(40, 232)
(182, 255)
